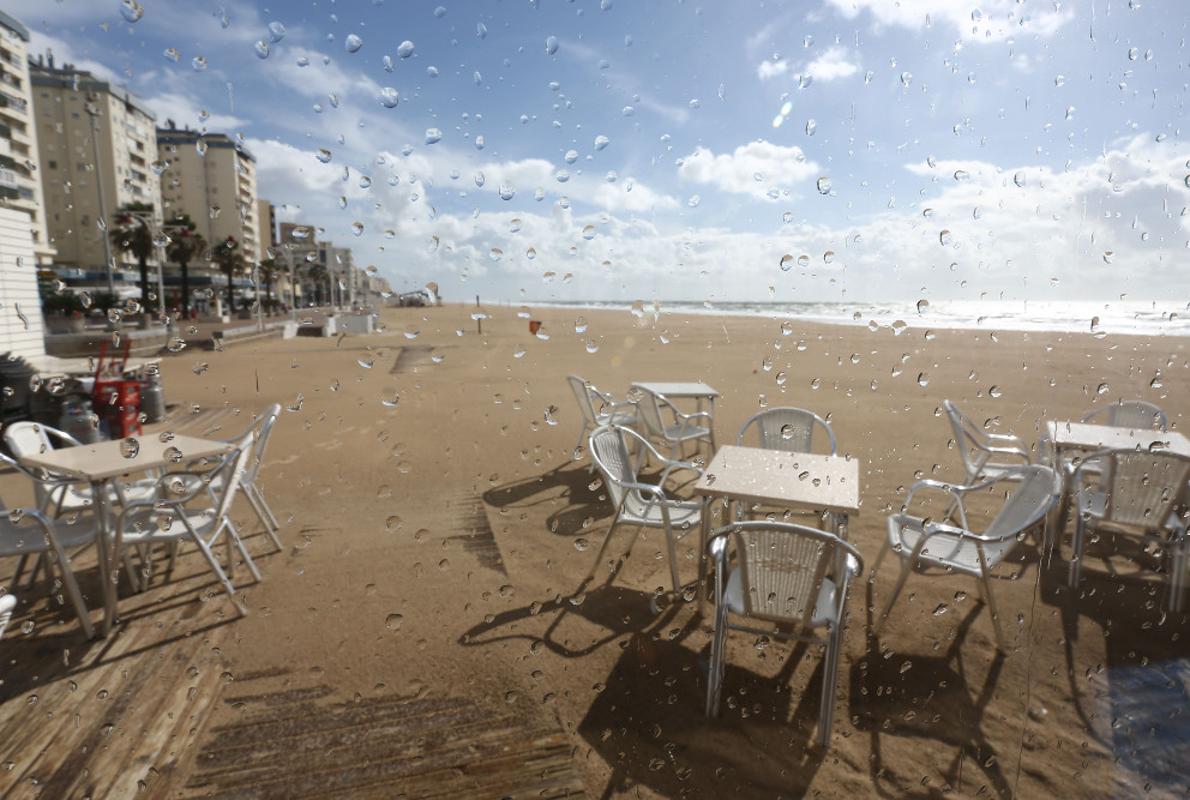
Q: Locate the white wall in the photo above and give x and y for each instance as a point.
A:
(18, 288)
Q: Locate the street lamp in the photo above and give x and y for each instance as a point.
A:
(93, 112)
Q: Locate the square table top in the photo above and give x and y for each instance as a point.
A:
(792, 480)
(677, 388)
(1085, 436)
(104, 460)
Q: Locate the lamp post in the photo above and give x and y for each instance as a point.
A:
(93, 112)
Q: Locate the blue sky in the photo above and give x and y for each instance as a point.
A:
(905, 148)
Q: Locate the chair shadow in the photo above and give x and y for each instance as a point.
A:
(942, 706)
(586, 499)
(649, 724)
(618, 610)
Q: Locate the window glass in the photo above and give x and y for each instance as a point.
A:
(595, 398)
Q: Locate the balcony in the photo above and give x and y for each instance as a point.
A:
(14, 103)
(9, 179)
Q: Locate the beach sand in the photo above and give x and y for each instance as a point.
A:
(438, 550)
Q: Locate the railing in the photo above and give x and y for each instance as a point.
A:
(8, 101)
(8, 179)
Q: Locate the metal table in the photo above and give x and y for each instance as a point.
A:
(99, 463)
(774, 477)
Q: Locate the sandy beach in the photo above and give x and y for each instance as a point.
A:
(439, 543)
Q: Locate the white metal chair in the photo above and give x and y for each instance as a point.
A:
(1129, 414)
(260, 429)
(8, 602)
(929, 547)
(787, 429)
(793, 577)
(58, 494)
(43, 537)
(167, 517)
(643, 504)
(1133, 493)
(977, 447)
(664, 423)
(599, 408)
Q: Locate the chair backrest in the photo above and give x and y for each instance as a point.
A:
(649, 406)
(1129, 414)
(1143, 487)
(969, 439)
(27, 439)
(265, 425)
(1036, 489)
(233, 468)
(609, 450)
(788, 429)
(782, 566)
(582, 395)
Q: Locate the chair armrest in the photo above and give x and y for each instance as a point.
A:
(955, 490)
(1009, 451)
(62, 436)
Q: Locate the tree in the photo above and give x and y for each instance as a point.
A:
(185, 244)
(130, 233)
(317, 274)
(269, 271)
(227, 255)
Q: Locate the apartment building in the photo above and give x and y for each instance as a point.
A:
(20, 184)
(212, 178)
(266, 215)
(98, 155)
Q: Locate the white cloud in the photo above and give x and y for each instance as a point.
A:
(835, 62)
(772, 69)
(759, 168)
(183, 111)
(987, 21)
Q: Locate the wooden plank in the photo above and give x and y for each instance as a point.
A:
(793, 480)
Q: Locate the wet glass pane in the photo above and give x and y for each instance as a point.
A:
(560, 398)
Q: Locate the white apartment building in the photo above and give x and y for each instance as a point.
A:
(20, 184)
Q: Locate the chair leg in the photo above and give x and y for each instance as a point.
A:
(72, 590)
(254, 501)
(830, 664)
(718, 660)
(220, 574)
(1001, 642)
(173, 558)
(22, 562)
(892, 598)
(671, 545)
(133, 577)
(235, 537)
(1076, 557)
(256, 490)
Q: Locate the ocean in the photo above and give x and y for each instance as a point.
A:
(1165, 318)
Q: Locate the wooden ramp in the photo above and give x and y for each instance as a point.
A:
(110, 718)
(302, 742)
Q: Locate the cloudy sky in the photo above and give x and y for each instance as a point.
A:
(856, 150)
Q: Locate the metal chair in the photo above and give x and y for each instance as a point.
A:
(1129, 414)
(170, 517)
(643, 504)
(683, 428)
(791, 576)
(599, 408)
(925, 546)
(977, 447)
(8, 602)
(260, 430)
(787, 429)
(1133, 493)
(46, 539)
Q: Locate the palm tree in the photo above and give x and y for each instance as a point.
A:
(130, 233)
(317, 274)
(269, 270)
(185, 244)
(227, 255)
